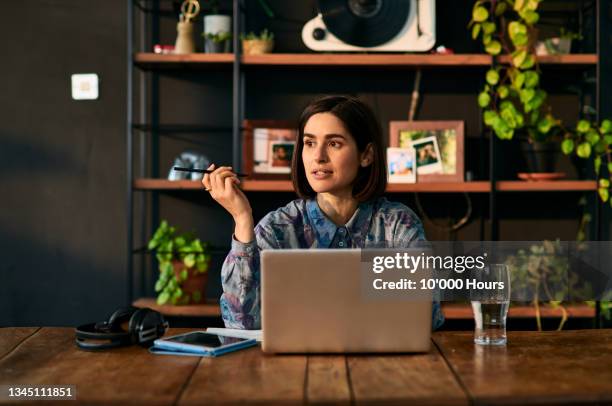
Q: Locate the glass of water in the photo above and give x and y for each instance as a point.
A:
(490, 296)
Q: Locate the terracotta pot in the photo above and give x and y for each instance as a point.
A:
(195, 282)
(256, 46)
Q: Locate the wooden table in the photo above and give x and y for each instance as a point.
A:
(535, 368)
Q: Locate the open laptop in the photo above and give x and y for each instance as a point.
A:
(313, 301)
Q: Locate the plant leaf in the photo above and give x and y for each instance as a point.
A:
(163, 298)
(606, 127)
(544, 125)
(492, 77)
(489, 117)
(604, 182)
(480, 14)
(475, 31)
(531, 17)
(528, 63)
(584, 150)
(488, 27)
(503, 91)
(520, 39)
(597, 164)
(500, 8)
(531, 79)
(519, 57)
(583, 126)
(604, 194)
(567, 146)
(493, 47)
(484, 99)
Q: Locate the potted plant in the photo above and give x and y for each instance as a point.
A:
(217, 43)
(183, 265)
(560, 45)
(215, 23)
(253, 44)
(544, 273)
(513, 100)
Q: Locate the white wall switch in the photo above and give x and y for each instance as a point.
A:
(84, 86)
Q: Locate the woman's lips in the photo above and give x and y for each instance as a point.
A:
(321, 174)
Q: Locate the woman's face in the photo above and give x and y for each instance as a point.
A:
(330, 155)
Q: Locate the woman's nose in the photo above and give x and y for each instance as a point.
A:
(320, 154)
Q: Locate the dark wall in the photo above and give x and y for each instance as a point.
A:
(62, 176)
(62, 217)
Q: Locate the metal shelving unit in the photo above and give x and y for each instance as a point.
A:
(149, 129)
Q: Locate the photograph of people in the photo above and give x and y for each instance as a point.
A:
(340, 174)
(281, 154)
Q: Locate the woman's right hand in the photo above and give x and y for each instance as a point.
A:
(222, 187)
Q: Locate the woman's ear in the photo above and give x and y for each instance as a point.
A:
(367, 156)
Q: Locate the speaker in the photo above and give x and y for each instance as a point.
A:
(372, 25)
(126, 326)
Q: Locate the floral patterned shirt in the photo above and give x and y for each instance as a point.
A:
(302, 224)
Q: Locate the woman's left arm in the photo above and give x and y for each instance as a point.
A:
(408, 229)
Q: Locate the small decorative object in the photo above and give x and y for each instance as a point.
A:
(183, 264)
(188, 159)
(401, 165)
(561, 45)
(185, 43)
(217, 30)
(217, 43)
(163, 49)
(268, 148)
(253, 44)
(438, 147)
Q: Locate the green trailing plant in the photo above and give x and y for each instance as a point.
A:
(545, 272)
(264, 35)
(218, 37)
(169, 247)
(512, 99)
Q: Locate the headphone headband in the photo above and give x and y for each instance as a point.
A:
(145, 325)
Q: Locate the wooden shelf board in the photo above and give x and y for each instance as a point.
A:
(203, 310)
(545, 186)
(446, 187)
(464, 311)
(331, 59)
(571, 59)
(442, 187)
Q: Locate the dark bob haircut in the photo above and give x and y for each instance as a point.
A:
(361, 123)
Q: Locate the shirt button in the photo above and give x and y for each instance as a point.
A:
(341, 244)
(342, 230)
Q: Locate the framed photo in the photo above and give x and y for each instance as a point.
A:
(268, 147)
(401, 165)
(448, 147)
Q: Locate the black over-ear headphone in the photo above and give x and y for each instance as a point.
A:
(144, 326)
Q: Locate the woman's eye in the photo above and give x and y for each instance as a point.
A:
(308, 143)
(334, 144)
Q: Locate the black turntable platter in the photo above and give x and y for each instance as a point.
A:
(365, 23)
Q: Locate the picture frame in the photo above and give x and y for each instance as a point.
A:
(262, 139)
(401, 165)
(450, 140)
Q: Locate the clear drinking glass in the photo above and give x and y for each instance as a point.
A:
(490, 296)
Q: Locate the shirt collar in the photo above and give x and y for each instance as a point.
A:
(325, 229)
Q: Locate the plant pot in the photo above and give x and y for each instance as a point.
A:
(554, 46)
(195, 282)
(214, 47)
(540, 157)
(216, 23)
(256, 46)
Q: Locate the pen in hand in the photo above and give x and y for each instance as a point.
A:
(178, 168)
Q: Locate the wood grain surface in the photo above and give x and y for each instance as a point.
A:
(569, 367)
(536, 368)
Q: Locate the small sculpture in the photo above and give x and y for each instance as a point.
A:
(185, 42)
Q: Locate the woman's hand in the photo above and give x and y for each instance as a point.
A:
(222, 187)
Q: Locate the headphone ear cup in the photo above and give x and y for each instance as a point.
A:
(135, 325)
(119, 317)
(146, 325)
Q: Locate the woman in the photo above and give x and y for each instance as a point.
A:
(340, 175)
